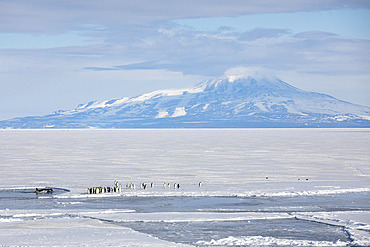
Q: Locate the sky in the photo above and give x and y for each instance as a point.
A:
(55, 55)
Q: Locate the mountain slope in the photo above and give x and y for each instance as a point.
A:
(225, 102)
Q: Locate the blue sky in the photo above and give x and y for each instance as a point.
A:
(57, 54)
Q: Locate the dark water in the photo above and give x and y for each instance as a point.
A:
(192, 232)
(27, 199)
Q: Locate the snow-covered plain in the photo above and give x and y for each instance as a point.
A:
(259, 187)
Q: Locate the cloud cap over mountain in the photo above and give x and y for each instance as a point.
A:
(239, 100)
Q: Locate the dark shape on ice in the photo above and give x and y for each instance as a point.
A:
(44, 191)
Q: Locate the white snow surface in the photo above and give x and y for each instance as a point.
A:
(267, 241)
(179, 111)
(162, 114)
(228, 162)
(73, 232)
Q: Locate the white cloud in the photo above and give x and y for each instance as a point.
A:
(212, 53)
(61, 16)
(238, 72)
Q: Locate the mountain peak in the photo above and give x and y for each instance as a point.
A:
(239, 99)
(248, 84)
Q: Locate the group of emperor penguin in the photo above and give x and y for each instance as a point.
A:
(99, 190)
(118, 187)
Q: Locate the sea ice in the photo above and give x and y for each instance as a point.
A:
(274, 175)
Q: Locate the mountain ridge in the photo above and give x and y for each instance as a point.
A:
(229, 101)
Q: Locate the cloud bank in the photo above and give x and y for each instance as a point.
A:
(58, 16)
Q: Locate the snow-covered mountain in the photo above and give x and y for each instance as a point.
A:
(230, 101)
